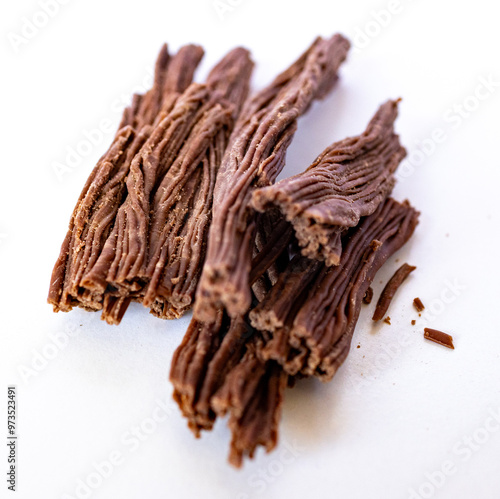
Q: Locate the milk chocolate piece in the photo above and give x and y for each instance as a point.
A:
(309, 332)
(105, 190)
(417, 303)
(255, 158)
(157, 245)
(215, 370)
(439, 337)
(347, 181)
(390, 290)
(252, 394)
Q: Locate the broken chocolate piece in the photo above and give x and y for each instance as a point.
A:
(387, 320)
(252, 394)
(104, 191)
(346, 182)
(417, 303)
(311, 333)
(390, 290)
(157, 245)
(439, 337)
(368, 296)
(254, 158)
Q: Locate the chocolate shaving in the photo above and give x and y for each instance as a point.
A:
(390, 290)
(439, 337)
(346, 182)
(255, 157)
(419, 306)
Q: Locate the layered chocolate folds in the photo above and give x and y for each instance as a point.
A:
(141, 234)
(347, 181)
(184, 204)
(255, 157)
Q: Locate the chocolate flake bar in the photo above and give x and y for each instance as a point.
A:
(346, 182)
(254, 158)
(169, 194)
(105, 189)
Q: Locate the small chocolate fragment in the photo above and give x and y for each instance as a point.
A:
(413, 322)
(439, 337)
(417, 303)
(368, 296)
(387, 320)
(390, 289)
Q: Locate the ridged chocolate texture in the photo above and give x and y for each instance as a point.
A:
(215, 371)
(158, 242)
(185, 143)
(346, 182)
(309, 329)
(105, 190)
(252, 395)
(254, 158)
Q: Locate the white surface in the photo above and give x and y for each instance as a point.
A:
(386, 420)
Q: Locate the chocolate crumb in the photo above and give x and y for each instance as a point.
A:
(359, 346)
(368, 296)
(387, 320)
(413, 322)
(439, 337)
(417, 303)
(390, 289)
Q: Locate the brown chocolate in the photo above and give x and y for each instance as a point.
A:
(368, 296)
(308, 327)
(255, 158)
(169, 196)
(390, 290)
(417, 303)
(439, 337)
(105, 189)
(347, 181)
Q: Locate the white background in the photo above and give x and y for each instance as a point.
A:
(400, 408)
